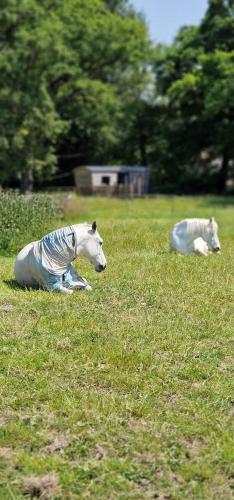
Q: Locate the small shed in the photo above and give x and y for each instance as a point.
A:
(116, 180)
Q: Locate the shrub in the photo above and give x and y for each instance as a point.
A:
(24, 219)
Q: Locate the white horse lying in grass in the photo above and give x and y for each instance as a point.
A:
(47, 263)
(195, 235)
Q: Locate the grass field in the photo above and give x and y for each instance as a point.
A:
(124, 392)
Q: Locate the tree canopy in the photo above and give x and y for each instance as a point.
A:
(194, 83)
(81, 82)
(66, 70)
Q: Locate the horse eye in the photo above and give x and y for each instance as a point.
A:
(100, 243)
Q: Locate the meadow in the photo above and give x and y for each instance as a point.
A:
(126, 391)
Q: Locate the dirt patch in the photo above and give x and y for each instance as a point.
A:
(5, 453)
(163, 496)
(194, 446)
(57, 445)
(146, 489)
(11, 334)
(6, 417)
(101, 452)
(33, 313)
(41, 487)
(64, 344)
(6, 307)
(173, 398)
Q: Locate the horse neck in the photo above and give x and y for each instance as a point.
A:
(81, 231)
(199, 228)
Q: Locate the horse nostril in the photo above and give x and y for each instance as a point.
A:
(100, 268)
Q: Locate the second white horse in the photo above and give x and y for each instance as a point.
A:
(195, 236)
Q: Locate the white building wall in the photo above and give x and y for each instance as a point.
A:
(97, 179)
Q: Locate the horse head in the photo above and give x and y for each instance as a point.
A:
(211, 236)
(92, 248)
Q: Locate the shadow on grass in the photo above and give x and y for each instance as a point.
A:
(15, 286)
(218, 201)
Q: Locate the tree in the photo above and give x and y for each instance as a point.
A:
(66, 68)
(120, 7)
(208, 90)
(109, 68)
(29, 122)
(195, 86)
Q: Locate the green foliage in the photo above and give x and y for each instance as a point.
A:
(120, 7)
(24, 219)
(29, 122)
(64, 69)
(217, 27)
(194, 82)
(109, 67)
(81, 83)
(125, 392)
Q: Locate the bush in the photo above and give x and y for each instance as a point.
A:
(24, 219)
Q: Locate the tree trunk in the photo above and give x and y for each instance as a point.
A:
(142, 138)
(223, 175)
(26, 182)
(142, 146)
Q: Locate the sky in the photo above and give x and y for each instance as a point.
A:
(165, 17)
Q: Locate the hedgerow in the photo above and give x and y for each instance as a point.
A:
(24, 219)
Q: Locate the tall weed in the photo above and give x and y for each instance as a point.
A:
(24, 219)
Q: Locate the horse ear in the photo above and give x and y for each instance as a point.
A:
(94, 226)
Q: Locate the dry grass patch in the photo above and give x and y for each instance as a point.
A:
(56, 445)
(44, 487)
(5, 453)
(6, 307)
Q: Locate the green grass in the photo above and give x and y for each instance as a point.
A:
(134, 378)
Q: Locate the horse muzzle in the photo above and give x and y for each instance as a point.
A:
(100, 268)
(216, 250)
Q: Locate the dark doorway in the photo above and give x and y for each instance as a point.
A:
(122, 178)
(106, 180)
